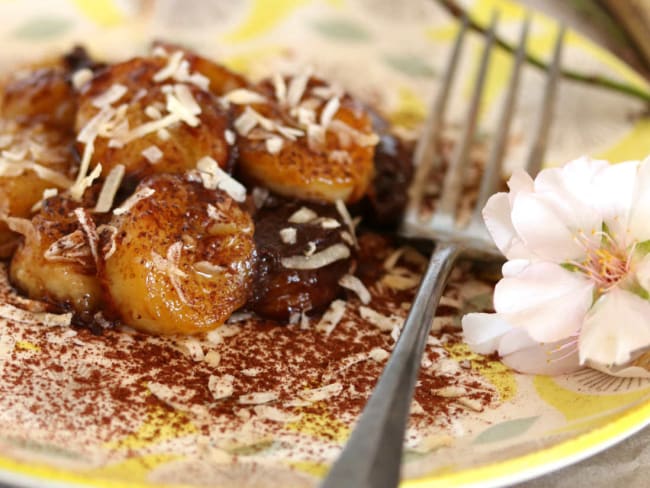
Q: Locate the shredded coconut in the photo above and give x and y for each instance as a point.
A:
(318, 260)
(356, 285)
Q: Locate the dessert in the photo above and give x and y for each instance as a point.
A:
(195, 262)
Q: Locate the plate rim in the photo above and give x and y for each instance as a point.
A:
(545, 460)
(501, 473)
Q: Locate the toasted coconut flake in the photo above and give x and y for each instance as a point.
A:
(395, 333)
(311, 248)
(290, 133)
(242, 96)
(221, 386)
(471, 403)
(356, 285)
(214, 177)
(10, 312)
(153, 154)
(315, 137)
(109, 189)
(318, 260)
(274, 414)
(152, 112)
(170, 68)
(304, 321)
(80, 186)
(212, 359)
(323, 393)
(260, 195)
(381, 321)
(230, 137)
(193, 348)
(208, 270)
(251, 372)
(237, 317)
(163, 134)
(329, 111)
(258, 398)
(302, 216)
(111, 232)
(347, 219)
(71, 247)
(378, 354)
(451, 392)
(17, 168)
(246, 122)
(274, 145)
(391, 261)
(297, 87)
(347, 135)
(183, 105)
(88, 226)
(129, 203)
(431, 442)
(110, 96)
(400, 281)
(288, 235)
(81, 77)
(331, 317)
(280, 87)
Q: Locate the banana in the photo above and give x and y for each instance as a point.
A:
(33, 159)
(304, 139)
(57, 260)
(180, 259)
(136, 114)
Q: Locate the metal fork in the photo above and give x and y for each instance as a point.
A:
(372, 455)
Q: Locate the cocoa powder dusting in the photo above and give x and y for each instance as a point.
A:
(241, 388)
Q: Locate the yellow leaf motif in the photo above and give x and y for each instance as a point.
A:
(263, 16)
(103, 12)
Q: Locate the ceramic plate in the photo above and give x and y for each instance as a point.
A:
(539, 423)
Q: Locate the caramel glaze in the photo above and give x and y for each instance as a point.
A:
(278, 292)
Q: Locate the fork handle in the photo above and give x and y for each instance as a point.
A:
(373, 454)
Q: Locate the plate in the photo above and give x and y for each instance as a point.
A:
(540, 423)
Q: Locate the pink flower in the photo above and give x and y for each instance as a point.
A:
(576, 286)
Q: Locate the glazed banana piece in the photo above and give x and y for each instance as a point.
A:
(304, 139)
(180, 259)
(138, 114)
(33, 159)
(56, 262)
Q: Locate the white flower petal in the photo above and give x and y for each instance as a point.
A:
(639, 218)
(643, 272)
(545, 231)
(616, 326)
(615, 188)
(482, 331)
(497, 217)
(514, 267)
(535, 358)
(546, 300)
(520, 181)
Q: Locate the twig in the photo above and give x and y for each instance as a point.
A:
(591, 79)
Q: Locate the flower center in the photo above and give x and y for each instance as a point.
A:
(606, 262)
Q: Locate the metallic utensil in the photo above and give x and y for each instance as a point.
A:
(372, 455)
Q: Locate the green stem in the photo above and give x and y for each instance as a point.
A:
(590, 79)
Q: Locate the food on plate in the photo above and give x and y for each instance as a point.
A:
(175, 192)
(180, 258)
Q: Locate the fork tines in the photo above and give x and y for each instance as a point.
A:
(444, 220)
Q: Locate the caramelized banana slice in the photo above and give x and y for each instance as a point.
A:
(40, 95)
(288, 236)
(181, 259)
(56, 262)
(126, 117)
(33, 159)
(301, 138)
